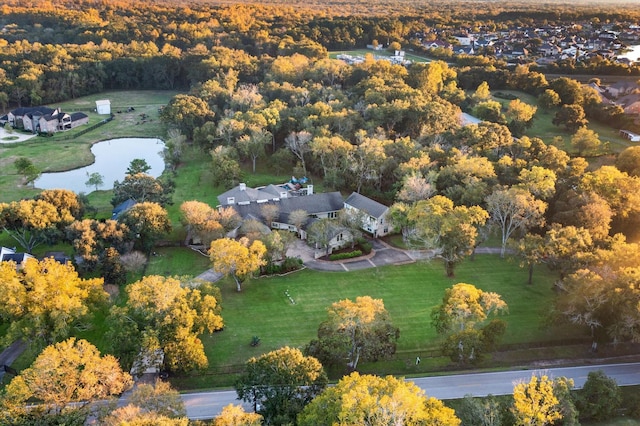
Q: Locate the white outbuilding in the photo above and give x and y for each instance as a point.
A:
(103, 106)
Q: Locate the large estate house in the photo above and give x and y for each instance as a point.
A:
(289, 197)
(42, 119)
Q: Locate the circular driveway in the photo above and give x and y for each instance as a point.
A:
(21, 136)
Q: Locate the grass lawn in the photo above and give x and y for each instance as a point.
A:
(409, 293)
(544, 129)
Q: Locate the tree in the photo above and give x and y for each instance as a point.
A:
(164, 315)
(463, 310)
(63, 200)
(572, 117)
(237, 258)
(628, 161)
(531, 251)
(549, 99)
(45, 298)
(224, 166)
(375, 401)
(482, 93)
(333, 153)
(620, 190)
(585, 141)
(567, 248)
(269, 212)
(159, 398)
(90, 238)
(72, 371)
(322, 231)
(131, 415)
(147, 222)
(281, 383)
(138, 165)
(485, 411)
(519, 116)
(355, 330)
(234, 415)
(27, 169)
(451, 230)
(569, 90)
(205, 223)
(94, 179)
(353, 220)
(366, 160)
(298, 218)
(300, 144)
(142, 188)
(599, 398)
(32, 222)
(535, 403)
(514, 210)
(415, 188)
(490, 110)
(253, 145)
(186, 113)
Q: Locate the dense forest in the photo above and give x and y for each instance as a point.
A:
(54, 51)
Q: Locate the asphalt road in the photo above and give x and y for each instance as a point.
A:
(206, 405)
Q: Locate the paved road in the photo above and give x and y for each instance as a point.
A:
(206, 405)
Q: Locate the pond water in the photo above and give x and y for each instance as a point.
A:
(633, 54)
(112, 160)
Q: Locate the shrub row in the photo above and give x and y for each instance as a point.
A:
(348, 255)
(288, 265)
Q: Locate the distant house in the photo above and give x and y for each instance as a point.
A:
(44, 119)
(375, 220)
(630, 103)
(10, 255)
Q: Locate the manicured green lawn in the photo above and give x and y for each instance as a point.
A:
(409, 293)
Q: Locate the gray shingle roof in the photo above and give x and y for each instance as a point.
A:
(244, 194)
(312, 204)
(365, 204)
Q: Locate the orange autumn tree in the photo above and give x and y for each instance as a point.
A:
(207, 223)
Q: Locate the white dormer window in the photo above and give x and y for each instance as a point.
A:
(231, 200)
(283, 194)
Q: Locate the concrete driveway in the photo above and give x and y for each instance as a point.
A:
(13, 135)
(381, 255)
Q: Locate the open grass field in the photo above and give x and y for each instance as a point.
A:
(64, 152)
(409, 293)
(544, 129)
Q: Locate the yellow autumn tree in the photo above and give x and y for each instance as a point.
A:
(535, 404)
(44, 298)
(234, 415)
(375, 401)
(31, 222)
(164, 315)
(72, 371)
(237, 258)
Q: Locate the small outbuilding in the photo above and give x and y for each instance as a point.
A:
(103, 106)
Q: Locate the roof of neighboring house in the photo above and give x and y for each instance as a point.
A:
(31, 110)
(6, 251)
(366, 204)
(122, 207)
(16, 257)
(78, 116)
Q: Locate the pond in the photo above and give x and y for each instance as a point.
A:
(112, 160)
